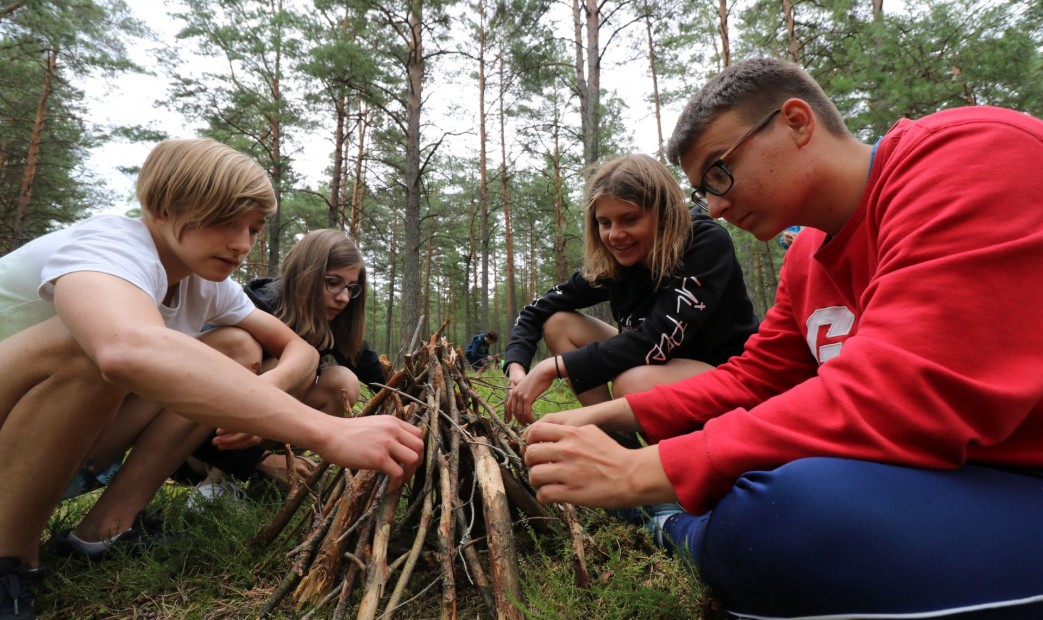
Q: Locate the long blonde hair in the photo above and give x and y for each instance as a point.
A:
(642, 181)
(301, 303)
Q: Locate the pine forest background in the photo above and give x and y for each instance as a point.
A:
(458, 131)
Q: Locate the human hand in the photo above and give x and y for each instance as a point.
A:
(274, 466)
(523, 389)
(583, 465)
(380, 442)
(232, 440)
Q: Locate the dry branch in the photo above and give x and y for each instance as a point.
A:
(458, 506)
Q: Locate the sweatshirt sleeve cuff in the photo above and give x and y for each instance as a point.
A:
(658, 416)
(686, 461)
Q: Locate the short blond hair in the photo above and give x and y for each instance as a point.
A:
(200, 182)
(642, 181)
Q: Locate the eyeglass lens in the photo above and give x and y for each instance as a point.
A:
(334, 286)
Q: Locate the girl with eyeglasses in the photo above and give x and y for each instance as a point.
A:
(670, 276)
(321, 295)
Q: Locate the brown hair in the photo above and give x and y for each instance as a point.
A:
(302, 282)
(200, 183)
(642, 181)
(752, 88)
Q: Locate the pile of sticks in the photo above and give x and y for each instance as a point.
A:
(460, 510)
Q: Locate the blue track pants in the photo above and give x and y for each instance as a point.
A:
(838, 538)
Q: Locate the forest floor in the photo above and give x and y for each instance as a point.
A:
(205, 569)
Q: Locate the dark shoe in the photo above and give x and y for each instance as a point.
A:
(17, 581)
(146, 532)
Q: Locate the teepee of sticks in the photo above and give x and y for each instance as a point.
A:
(459, 509)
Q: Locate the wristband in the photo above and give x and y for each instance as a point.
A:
(556, 368)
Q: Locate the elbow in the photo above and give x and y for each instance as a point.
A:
(124, 359)
(118, 363)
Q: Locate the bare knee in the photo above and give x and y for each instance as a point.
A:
(336, 390)
(569, 330)
(637, 379)
(237, 344)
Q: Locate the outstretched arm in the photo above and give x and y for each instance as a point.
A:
(122, 331)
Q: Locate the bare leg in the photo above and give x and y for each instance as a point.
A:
(568, 331)
(643, 378)
(336, 391)
(165, 443)
(54, 403)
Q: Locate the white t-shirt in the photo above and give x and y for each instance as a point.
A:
(116, 245)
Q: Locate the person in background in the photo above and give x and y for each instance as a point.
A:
(671, 278)
(99, 332)
(876, 450)
(477, 352)
(788, 236)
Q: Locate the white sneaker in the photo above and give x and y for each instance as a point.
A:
(209, 491)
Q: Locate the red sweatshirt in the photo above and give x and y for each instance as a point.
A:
(911, 337)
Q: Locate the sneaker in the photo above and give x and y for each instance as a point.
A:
(209, 491)
(146, 532)
(653, 518)
(17, 582)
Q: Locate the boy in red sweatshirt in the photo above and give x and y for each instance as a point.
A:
(878, 448)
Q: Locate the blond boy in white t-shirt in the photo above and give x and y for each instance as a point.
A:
(99, 324)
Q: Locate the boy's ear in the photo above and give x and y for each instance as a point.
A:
(799, 119)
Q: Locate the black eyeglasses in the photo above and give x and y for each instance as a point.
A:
(334, 286)
(717, 179)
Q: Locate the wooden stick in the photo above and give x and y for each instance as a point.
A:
(494, 417)
(376, 568)
(449, 480)
(579, 558)
(330, 555)
(293, 502)
(503, 560)
(537, 516)
(426, 513)
(354, 569)
(474, 568)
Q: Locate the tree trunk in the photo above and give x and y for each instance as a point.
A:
(411, 260)
(791, 36)
(726, 54)
(358, 188)
(656, 103)
(585, 82)
(483, 166)
(25, 191)
(559, 213)
(335, 216)
(393, 264)
(508, 235)
(429, 258)
(278, 167)
(470, 271)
